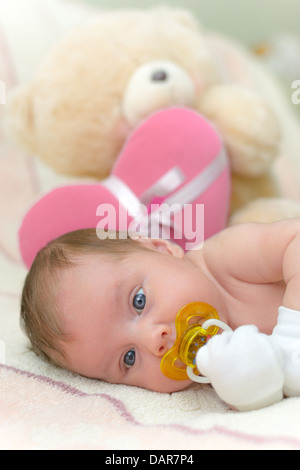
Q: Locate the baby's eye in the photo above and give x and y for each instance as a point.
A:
(139, 301)
(129, 358)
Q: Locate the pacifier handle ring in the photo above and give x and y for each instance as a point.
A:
(196, 378)
(215, 322)
(189, 370)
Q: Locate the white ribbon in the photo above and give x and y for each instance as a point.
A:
(168, 183)
(200, 183)
(163, 186)
(124, 194)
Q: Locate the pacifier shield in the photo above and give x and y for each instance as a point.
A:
(190, 337)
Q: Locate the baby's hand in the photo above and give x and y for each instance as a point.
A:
(286, 335)
(245, 368)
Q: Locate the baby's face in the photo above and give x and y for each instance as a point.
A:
(122, 313)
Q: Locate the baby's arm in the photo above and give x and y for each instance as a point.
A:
(257, 254)
(286, 334)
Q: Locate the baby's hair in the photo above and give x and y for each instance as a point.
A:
(40, 317)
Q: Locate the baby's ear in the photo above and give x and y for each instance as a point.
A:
(20, 119)
(158, 244)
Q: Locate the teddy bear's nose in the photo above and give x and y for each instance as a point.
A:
(159, 76)
(155, 85)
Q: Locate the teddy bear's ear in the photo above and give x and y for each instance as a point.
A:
(185, 18)
(20, 118)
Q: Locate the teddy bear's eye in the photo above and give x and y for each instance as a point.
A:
(159, 76)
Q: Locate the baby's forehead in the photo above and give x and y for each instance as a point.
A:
(83, 270)
(87, 287)
(107, 270)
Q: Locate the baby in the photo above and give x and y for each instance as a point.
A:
(106, 308)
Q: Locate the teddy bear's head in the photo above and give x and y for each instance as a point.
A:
(103, 79)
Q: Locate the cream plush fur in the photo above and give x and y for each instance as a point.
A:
(103, 79)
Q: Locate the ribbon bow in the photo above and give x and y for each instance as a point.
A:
(171, 175)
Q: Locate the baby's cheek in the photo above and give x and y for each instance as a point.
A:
(162, 384)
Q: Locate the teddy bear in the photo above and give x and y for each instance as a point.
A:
(104, 78)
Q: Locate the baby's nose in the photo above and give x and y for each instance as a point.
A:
(161, 340)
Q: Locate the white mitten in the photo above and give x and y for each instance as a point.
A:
(286, 335)
(244, 367)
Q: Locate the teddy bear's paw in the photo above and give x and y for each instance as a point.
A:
(265, 210)
(249, 127)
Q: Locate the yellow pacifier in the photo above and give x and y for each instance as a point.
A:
(195, 324)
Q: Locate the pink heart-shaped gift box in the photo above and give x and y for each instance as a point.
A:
(174, 159)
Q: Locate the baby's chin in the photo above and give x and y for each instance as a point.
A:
(169, 386)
